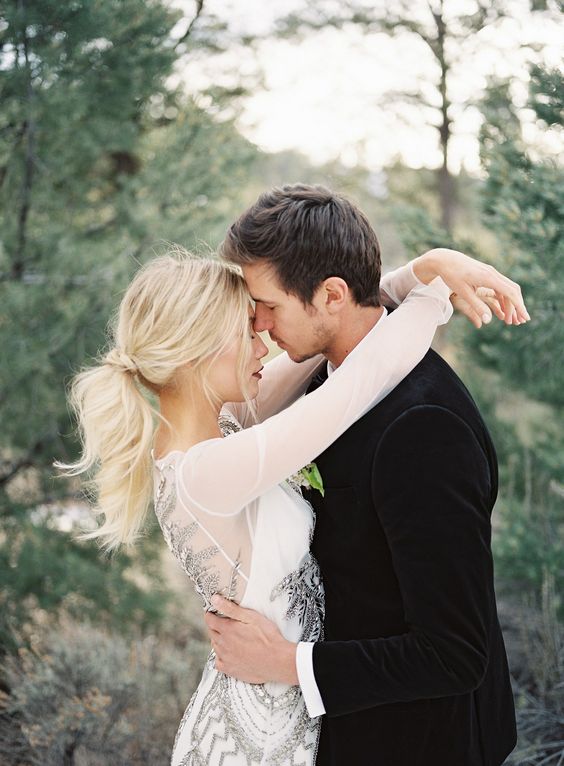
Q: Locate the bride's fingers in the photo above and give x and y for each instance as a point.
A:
(478, 274)
(505, 287)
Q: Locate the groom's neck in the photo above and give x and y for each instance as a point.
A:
(356, 323)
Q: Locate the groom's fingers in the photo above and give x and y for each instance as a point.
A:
(504, 287)
(230, 609)
(479, 311)
(488, 295)
(463, 307)
(511, 291)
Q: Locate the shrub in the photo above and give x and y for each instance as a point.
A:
(86, 697)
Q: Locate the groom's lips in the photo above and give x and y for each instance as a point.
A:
(277, 341)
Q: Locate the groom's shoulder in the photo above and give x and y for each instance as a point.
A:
(433, 377)
(431, 383)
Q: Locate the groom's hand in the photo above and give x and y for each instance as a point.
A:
(248, 646)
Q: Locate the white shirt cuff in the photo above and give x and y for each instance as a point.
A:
(306, 677)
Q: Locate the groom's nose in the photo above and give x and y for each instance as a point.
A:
(263, 318)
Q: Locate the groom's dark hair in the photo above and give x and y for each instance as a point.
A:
(308, 233)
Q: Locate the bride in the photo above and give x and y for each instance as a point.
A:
(218, 467)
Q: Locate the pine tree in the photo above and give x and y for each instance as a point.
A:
(524, 206)
(100, 162)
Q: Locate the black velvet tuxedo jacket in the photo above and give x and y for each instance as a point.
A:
(413, 669)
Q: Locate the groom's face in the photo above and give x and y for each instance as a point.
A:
(301, 331)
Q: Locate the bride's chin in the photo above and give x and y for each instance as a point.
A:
(254, 388)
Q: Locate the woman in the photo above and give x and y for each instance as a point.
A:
(226, 508)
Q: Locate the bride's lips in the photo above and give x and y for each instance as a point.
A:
(257, 374)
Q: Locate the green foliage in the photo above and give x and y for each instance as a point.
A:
(45, 570)
(524, 204)
(100, 162)
(546, 96)
(522, 368)
(413, 206)
(74, 81)
(527, 547)
(418, 230)
(82, 695)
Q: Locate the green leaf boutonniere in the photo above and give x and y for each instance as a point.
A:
(309, 477)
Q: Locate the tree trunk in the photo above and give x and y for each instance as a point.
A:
(28, 143)
(446, 184)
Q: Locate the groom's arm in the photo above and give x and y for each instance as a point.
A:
(433, 492)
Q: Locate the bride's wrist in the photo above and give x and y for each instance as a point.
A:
(425, 267)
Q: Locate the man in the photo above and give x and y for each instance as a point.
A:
(413, 670)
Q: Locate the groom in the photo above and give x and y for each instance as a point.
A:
(413, 670)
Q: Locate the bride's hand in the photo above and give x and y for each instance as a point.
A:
(478, 288)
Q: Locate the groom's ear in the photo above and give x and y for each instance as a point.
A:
(335, 294)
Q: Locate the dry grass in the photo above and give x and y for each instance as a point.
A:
(539, 684)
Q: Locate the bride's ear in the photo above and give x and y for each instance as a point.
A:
(336, 294)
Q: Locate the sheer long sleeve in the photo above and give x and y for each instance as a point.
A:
(254, 460)
(397, 284)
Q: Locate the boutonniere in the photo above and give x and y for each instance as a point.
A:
(309, 477)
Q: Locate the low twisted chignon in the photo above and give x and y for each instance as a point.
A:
(121, 360)
(179, 311)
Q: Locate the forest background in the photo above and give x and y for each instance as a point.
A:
(128, 124)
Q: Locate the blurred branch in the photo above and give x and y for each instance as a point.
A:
(10, 469)
(186, 35)
(28, 130)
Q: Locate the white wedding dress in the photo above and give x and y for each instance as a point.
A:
(238, 527)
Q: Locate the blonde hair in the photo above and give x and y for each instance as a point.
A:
(178, 309)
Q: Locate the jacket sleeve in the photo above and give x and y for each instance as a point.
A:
(433, 493)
